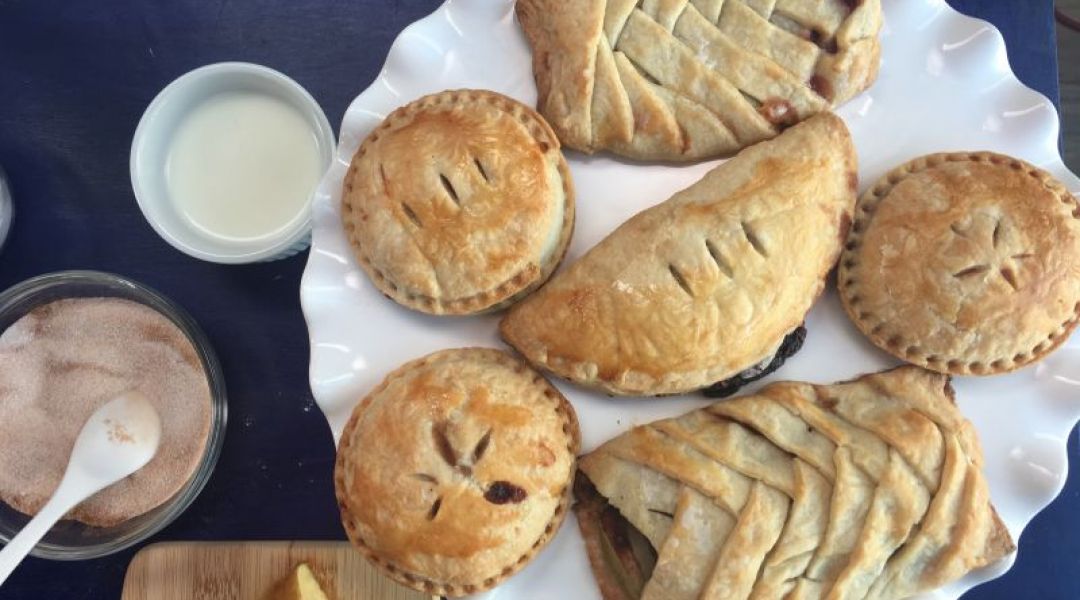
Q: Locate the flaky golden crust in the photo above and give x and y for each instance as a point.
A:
(965, 263)
(456, 470)
(459, 202)
(706, 284)
(685, 80)
(871, 488)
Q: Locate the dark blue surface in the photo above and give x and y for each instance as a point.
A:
(74, 78)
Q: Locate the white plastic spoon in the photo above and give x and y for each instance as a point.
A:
(119, 439)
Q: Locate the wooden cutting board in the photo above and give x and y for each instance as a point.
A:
(247, 570)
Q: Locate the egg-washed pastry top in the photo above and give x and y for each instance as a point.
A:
(707, 284)
(456, 470)
(871, 488)
(690, 79)
(965, 263)
(459, 202)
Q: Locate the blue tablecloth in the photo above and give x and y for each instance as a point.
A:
(74, 78)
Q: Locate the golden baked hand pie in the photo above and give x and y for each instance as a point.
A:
(704, 287)
(455, 471)
(459, 203)
(871, 489)
(689, 79)
(965, 263)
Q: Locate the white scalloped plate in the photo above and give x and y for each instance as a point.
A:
(945, 84)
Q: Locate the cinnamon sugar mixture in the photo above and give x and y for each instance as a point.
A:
(62, 361)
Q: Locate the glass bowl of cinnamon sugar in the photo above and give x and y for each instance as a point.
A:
(69, 342)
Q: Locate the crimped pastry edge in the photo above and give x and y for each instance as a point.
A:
(419, 582)
(864, 212)
(521, 283)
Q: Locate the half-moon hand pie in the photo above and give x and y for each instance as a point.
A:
(706, 286)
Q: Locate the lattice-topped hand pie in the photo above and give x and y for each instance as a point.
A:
(965, 263)
(871, 489)
(706, 286)
(459, 202)
(688, 79)
(455, 471)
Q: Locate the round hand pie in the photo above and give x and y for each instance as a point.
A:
(459, 203)
(455, 471)
(965, 263)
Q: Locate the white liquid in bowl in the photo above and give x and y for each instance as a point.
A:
(242, 166)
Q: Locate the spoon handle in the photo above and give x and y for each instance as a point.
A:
(16, 550)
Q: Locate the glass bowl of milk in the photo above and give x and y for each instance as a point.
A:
(225, 161)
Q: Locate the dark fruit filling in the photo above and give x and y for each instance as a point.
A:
(787, 349)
